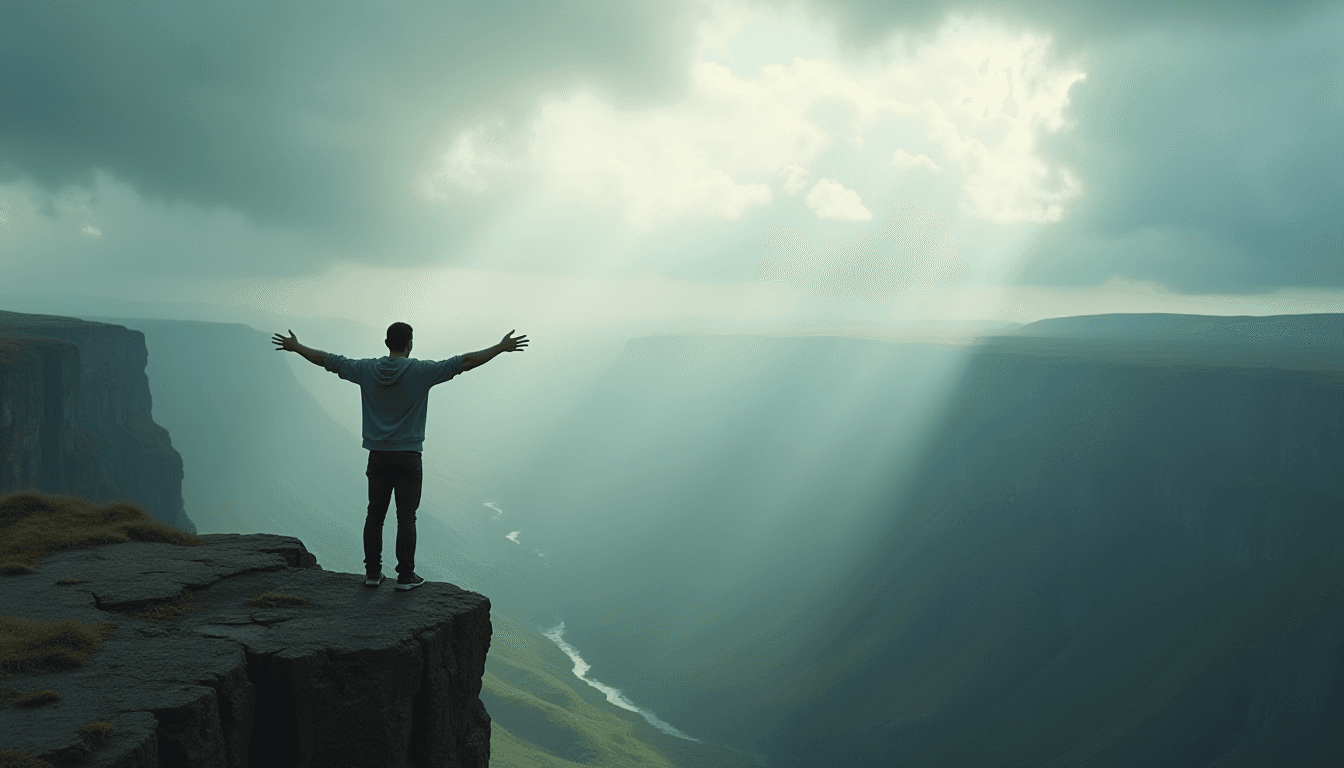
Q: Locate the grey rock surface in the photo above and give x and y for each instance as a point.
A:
(353, 677)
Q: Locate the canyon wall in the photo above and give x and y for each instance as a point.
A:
(1105, 541)
(1120, 549)
(75, 416)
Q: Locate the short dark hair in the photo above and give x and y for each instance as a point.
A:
(398, 336)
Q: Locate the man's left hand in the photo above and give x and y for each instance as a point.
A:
(512, 344)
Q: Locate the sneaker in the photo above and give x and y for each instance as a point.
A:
(410, 581)
(373, 579)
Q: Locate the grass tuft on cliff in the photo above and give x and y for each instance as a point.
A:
(35, 524)
(36, 698)
(17, 758)
(97, 734)
(31, 646)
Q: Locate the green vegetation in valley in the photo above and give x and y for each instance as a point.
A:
(545, 717)
(531, 689)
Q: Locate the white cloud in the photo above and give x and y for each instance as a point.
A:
(699, 158)
(903, 159)
(795, 178)
(829, 199)
(90, 231)
(468, 167)
(714, 153)
(659, 165)
(1006, 179)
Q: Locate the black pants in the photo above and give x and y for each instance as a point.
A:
(390, 471)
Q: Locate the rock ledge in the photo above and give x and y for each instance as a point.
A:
(353, 677)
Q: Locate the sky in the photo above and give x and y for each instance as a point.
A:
(554, 166)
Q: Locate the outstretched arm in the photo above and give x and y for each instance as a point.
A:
(291, 344)
(474, 359)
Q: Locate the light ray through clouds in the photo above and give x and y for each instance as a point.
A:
(740, 141)
(676, 191)
(734, 149)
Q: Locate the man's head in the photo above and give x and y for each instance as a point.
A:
(399, 339)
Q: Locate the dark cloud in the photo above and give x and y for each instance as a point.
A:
(318, 116)
(863, 23)
(1222, 145)
(1206, 135)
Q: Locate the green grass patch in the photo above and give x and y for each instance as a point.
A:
(32, 646)
(272, 599)
(34, 524)
(34, 698)
(510, 751)
(97, 734)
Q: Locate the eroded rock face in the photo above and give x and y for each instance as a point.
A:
(75, 416)
(353, 677)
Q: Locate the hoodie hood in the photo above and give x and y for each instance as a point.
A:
(389, 370)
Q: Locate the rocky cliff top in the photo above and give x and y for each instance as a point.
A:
(1317, 328)
(243, 651)
(37, 322)
(16, 347)
(1309, 344)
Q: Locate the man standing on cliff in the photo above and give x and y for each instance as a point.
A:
(396, 395)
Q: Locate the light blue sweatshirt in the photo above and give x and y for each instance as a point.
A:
(396, 395)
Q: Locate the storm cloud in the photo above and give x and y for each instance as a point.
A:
(1204, 135)
(862, 24)
(1187, 144)
(319, 117)
(1213, 160)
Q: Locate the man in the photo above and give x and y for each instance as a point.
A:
(396, 394)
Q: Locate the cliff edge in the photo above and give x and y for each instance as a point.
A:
(231, 650)
(75, 416)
